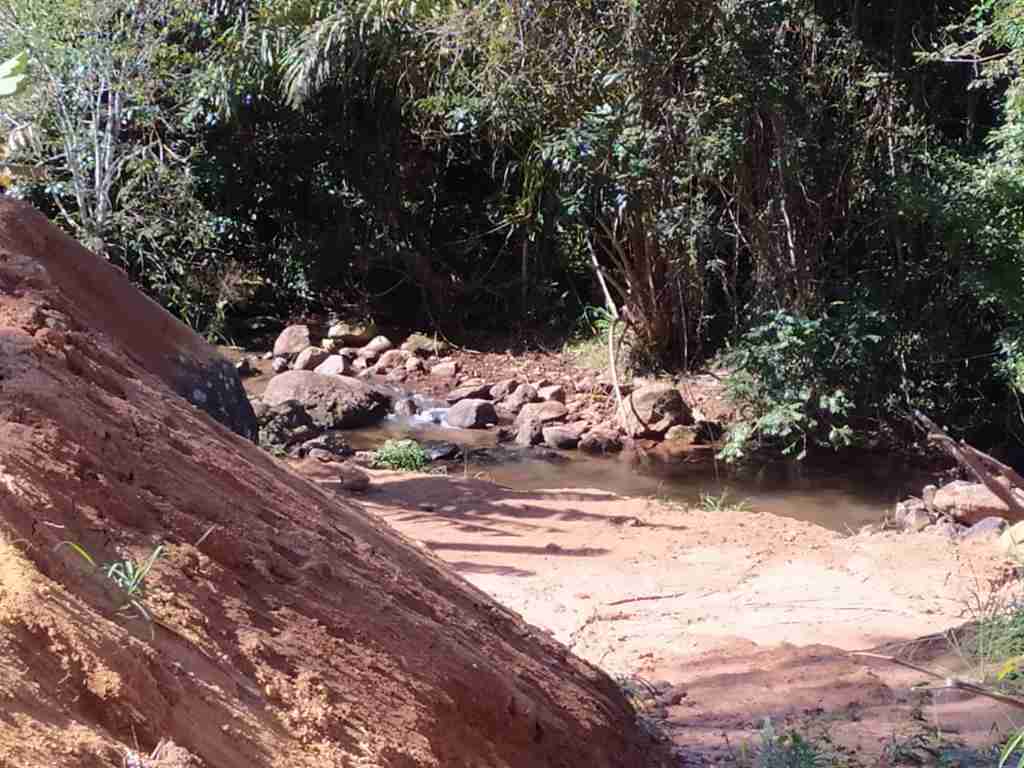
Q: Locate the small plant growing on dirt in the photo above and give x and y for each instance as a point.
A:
(787, 750)
(128, 575)
(721, 503)
(407, 455)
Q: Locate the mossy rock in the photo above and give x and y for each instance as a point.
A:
(425, 346)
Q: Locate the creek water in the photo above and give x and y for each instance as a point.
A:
(842, 498)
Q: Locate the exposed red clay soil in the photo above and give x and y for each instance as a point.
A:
(290, 627)
(752, 615)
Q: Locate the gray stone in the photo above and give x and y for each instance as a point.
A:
(928, 497)
(440, 451)
(425, 346)
(445, 370)
(562, 436)
(470, 392)
(333, 402)
(521, 395)
(406, 408)
(529, 432)
(545, 413)
(908, 512)
(600, 441)
(331, 443)
(310, 358)
(989, 527)
(684, 435)
(279, 364)
(334, 365)
(969, 503)
(351, 478)
(651, 410)
(553, 393)
(472, 414)
(285, 423)
(258, 408)
(393, 358)
(291, 341)
(503, 389)
(352, 334)
(376, 346)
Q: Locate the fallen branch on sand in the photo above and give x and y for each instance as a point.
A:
(951, 682)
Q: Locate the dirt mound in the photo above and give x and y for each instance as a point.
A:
(288, 627)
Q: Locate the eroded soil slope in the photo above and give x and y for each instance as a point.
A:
(289, 629)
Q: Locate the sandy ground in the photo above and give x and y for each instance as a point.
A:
(753, 615)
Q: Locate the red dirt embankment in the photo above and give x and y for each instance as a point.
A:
(289, 628)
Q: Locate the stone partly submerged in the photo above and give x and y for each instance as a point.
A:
(281, 624)
(333, 402)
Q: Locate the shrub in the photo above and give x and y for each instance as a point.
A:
(407, 455)
(791, 377)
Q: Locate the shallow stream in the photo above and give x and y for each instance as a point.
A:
(842, 498)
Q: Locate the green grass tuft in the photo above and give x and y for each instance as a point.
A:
(407, 455)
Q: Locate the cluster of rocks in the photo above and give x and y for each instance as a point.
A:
(330, 385)
(961, 510)
(545, 413)
(357, 350)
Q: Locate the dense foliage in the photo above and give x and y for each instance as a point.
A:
(827, 193)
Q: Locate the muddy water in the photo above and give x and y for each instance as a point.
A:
(840, 498)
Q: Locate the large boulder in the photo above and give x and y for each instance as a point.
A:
(333, 402)
(472, 414)
(970, 503)
(652, 410)
(291, 341)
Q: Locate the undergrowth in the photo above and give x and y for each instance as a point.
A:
(722, 503)
(789, 749)
(128, 575)
(406, 455)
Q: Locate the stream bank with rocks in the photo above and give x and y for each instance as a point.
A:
(353, 377)
(316, 385)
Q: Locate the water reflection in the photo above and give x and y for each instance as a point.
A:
(842, 498)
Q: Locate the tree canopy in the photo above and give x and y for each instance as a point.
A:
(825, 195)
